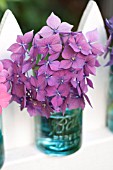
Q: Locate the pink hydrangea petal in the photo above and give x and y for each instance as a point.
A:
(26, 67)
(92, 36)
(67, 52)
(55, 48)
(53, 57)
(87, 98)
(78, 63)
(32, 111)
(54, 39)
(65, 27)
(7, 63)
(80, 75)
(65, 64)
(46, 31)
(65, 39)
(19, 38)
(28, 37)
(74, 82)
(42, 69)
(43, 50)
(97, 64)
(4, 99)
(74, 47)
(90, 83)
(33, 51)
(92, 70)
(51, 91)
(52, 81)
(41, 96)
(80, 38)
(91, 62)
(2, 79)
(14, 47)
(1, 66)
(54, 65)
(56, 101)
(33, 81)
(3, 88)
(53, 21)
(83, 86)
(97, 49)
(79, 90)
(4, 73)
(64, 90)
(76, 103)
(42, 42)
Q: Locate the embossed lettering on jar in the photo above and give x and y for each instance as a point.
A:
(59, 135)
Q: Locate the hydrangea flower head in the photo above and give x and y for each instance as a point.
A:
(62, 62)
(54, 26)
(5, 97)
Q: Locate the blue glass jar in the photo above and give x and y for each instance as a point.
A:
(59, 135)
(1, 144)
(110, 101)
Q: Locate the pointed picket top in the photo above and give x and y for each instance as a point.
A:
(92, 19)
(9, 29)
(18, 123)
(96, 118)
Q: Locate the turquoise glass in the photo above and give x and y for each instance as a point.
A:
(110, 101)
(59, 135)
(1, 144)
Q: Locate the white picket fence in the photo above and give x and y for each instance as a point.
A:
(97, 150)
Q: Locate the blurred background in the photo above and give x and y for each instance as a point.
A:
(32, 14)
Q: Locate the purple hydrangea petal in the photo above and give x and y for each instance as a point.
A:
(64, 90)
(75, 103)
(46, 31)
(54, 56)
(92, 36)
(78, 63)
(87, 98)
(7, 63)
(41, 95)
(52, 81)
(19, 38)
(42, 69)
(56, 101)
(28, 37)
(97, 49)
(67, 52)
(65, 27)
(90, 83)
(97, 64)
(2, 79)
(74, 47)
(65, 64)
(55, 65)
(51, 91)
(53, 21)
(55, 48)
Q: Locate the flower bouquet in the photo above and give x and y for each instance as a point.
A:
(56, 89)
(4, 101)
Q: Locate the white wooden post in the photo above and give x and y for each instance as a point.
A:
(96, 118)
(17, 125)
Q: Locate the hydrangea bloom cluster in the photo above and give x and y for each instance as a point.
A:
(109, 45)
(62, 62)
(4, 95)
